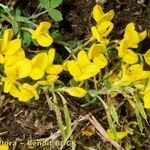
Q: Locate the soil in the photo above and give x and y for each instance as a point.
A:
(21, 122)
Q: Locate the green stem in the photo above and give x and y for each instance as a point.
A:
(78, 48)
(67, 116)
(95, 84)
(37, 15)
(58, 115)
(6, 18)
(27, 29)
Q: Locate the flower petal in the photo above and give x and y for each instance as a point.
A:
(73, 68)
(97, 12)
(100, 60)
(43, 27)
(23, 67)
(83, 59)
(52, 78)
(75, 91)
(54, 69)
(147, 57)
(51, 55)
(130, 57)
(95, 49)
(131, 35)
(12, 47)
(44, 39)
(40, 61)
(96, 34)
(88, 72)
(147, 100)
(105, 28)
(142, 35)
(8, 34)
(36, 73)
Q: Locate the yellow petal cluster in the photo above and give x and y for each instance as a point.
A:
(41, 34)
(88, 64)
(130, 41)
(133, 73)
(17, 67)
(103, 24)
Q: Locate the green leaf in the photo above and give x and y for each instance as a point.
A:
(55, 14)
(56, 35)
(55, 3)
(45, 3)
(107, 84)
(67, 121)
(114, 114)
(73, 82)
(18, 12)
(1, 69)
(15, 25)
(140, 108)
(111, 125)
(26, 38)
(139, 119)
(24, 20)
(58, 58)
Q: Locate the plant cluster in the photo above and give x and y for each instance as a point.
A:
(101, 69)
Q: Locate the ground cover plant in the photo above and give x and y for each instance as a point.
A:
(63, 92)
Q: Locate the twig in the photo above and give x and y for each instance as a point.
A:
(58, 133)
(102, 132)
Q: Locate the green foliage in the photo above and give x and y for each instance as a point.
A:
(50, 6)
(26, 38)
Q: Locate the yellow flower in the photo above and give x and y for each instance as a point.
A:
(12, 59)
(82, 68)
(101, 31)
(27, 92)
(131, 35)
(43, 63)
(8, 46)
(100, 60)
(133, 73)
(128, 55)
(18, 70)
(1, 59)
(130, 40)
(39, 64)
(120, 135)
(24, 92)
(113, 78)
(99, 16)
(96, 54)
(50, 79)
(51, 68)
(4, 147)
(8, 83)
(75, 91)
(41, 34)
(95, 49)
(104, 25)
(147, 57)
(146, 99)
